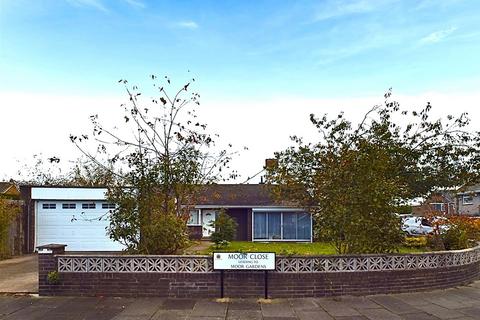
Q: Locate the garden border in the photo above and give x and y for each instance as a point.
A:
(295, 276)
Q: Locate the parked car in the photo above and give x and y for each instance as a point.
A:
(416, 226)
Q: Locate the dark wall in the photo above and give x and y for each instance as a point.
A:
(250, 284)
(240, 215)
(28, 214)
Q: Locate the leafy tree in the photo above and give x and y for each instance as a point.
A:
(88, 173)
(164, 153)
(48, 171)
(355, 177)
(225, 229)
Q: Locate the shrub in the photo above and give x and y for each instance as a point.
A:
(455, 238)
(470, 225)
(435, 242)
(415, 242)
(222, 244)
(167, 235)
(225, 228)
(8, 211)
(461, 232)
(53, 277)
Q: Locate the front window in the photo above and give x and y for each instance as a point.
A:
(467, 199)
(440, 207)
(194, 219)
(274, 225)
(260, 225)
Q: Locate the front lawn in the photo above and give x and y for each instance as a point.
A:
(287, 248)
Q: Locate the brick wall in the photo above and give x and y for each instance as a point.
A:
(135, 285)
(249, 283)
(372, 282)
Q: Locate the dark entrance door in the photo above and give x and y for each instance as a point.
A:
(240, 215)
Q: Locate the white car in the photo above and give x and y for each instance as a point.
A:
(416, 226)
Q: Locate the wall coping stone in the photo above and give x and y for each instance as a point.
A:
(52, 248)
(284, 264)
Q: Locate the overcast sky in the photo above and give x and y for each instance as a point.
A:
(261, 66)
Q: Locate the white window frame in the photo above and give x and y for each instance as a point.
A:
(281, 224)
(467, 202)
(199, 215)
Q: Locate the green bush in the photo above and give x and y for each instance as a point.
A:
(53, 277)
(455, 238)
(416, 242)
(222, 244)
(225, 229)
(167, 235)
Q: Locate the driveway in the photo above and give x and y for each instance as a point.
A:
(19, 274)
(462, 303)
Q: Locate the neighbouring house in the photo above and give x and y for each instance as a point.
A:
(439, 202)
(468, 200)
(9, 190)
(78, 216)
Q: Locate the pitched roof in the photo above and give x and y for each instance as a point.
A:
(247, 195)
(471, 188)
(4, 186)
(448, 195)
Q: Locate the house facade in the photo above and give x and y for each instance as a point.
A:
(440, 202)
(468, 200)
(79, 216)
(465, 201)
(260, 217)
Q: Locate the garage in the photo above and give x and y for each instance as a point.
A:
(77, 217)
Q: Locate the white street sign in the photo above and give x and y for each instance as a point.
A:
(243, 261)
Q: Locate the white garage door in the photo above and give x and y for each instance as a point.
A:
(81, 225)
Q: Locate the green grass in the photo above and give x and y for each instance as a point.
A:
(288, 248)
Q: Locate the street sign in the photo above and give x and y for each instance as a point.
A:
(244, 261)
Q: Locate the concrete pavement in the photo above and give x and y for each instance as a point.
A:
(19, 274)
(460, 303)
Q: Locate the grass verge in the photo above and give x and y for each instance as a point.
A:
(288, 248)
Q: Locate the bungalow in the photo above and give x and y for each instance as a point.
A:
(78, 216)
(259, 216)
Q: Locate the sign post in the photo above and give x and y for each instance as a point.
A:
(252, 261)
(221, 284)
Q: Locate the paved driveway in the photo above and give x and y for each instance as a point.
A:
(19, 275)
(459, 303)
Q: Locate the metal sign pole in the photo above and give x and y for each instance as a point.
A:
(221, 284)
(266, 284)
(239, 261)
